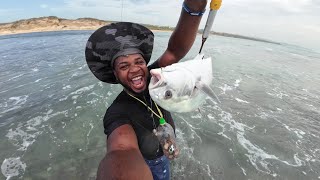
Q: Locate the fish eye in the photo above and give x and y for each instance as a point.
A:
(167, 94)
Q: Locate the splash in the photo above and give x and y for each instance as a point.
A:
(237, 83)
(242, 101)
(13, 103)
(25, 134)
(258, 157)
(12, 167)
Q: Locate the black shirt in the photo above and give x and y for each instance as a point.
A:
(127, 110)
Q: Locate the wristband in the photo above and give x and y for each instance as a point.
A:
(186, 8)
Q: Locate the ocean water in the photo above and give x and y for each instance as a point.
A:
(267, 126)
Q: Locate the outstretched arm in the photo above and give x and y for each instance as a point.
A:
(123, 159)
(184, 34)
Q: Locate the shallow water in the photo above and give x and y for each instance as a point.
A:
(267, 126)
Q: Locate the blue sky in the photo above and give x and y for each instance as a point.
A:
(291, 21)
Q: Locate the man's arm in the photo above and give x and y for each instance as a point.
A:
(184, 34)
(123, 159)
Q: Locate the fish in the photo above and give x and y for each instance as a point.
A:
(184, 86)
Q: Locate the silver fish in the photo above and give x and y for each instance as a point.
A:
(182, 87)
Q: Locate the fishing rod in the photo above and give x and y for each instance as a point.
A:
(214, 6)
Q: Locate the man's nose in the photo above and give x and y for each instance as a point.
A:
(134, 68)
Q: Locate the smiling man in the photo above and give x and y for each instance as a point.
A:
(132, 72)
(119, 53)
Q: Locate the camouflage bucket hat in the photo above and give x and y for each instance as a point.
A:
(113, 40)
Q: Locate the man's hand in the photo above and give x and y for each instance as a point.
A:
(170, 149)
(123, 159)
(184, 34)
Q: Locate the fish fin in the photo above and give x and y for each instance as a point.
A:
(206, 89)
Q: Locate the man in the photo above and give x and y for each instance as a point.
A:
(119, 53)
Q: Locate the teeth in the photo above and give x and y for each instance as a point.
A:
(137, 78)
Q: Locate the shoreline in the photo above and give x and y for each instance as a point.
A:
(26, 31)
(53, 23)
(15, 32)
(93, 28)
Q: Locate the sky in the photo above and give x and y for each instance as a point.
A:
(288, 21)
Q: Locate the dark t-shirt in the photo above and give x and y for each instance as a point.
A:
(127, 110)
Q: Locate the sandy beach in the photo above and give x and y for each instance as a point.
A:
(52, 23)
(59, 29)
(46, 29)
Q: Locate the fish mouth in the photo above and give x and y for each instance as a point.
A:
(156, 79)
(154, 82)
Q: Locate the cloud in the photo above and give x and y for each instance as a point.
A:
(92, 3)
(9, 15)
(101, 9)
(269, 7)
(161, 12)
(9, 11)
(44, 6)
(279, 20)
(140, 1)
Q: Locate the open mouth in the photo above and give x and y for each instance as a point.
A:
(137, 80)
(156, 79)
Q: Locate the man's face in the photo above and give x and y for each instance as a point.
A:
(132, 72)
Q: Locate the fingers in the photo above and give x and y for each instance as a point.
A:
(173, 155)
(170, 150)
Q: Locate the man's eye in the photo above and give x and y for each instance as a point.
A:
(140, 62)
(123, 67)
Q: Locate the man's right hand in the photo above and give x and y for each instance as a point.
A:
(123, 159)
